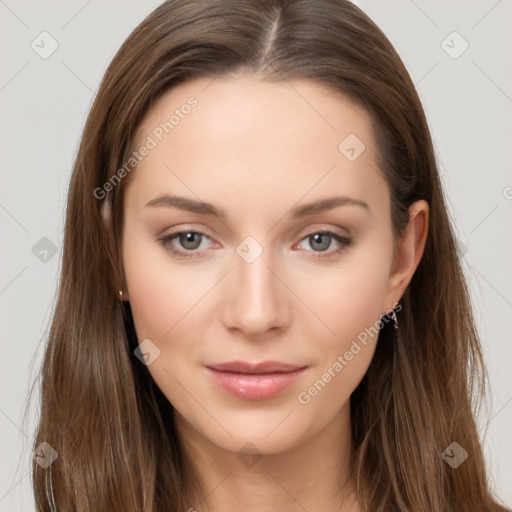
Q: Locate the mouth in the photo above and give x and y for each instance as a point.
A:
(254, 381)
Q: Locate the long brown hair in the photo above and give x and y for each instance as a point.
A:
(101, 412)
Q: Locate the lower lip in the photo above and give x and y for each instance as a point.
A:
(255, 387)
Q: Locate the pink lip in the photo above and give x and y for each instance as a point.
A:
(254, 381)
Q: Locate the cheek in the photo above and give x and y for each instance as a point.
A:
(162, 299)
(160, 293)
(349, 300)
(349, 297)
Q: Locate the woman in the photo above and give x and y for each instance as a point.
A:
(261, 303)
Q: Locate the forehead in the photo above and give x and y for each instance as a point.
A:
(243, 137)
(254, 105)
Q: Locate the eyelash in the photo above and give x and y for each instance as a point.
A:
(345, 242)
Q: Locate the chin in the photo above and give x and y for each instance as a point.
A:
(256, 431)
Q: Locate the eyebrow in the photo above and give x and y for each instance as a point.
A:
(204, 208)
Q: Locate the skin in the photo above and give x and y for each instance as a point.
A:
(257, 150)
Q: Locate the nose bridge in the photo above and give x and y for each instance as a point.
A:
(255, 301)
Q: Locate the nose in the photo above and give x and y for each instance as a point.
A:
(256, 299)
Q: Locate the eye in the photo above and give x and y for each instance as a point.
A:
(321, 241)
(190, 241)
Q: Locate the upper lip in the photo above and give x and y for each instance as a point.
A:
(264, 367)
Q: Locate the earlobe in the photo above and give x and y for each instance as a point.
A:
(106, 215)
(409, 250)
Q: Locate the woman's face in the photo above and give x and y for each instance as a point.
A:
(257, 172)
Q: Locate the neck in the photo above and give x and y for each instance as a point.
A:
(312, 475)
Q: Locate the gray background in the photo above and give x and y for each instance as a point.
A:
(44, 103)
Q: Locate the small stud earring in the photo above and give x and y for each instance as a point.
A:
(121, 294)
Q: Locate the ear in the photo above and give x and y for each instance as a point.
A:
(408, 252)
(106, 215)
